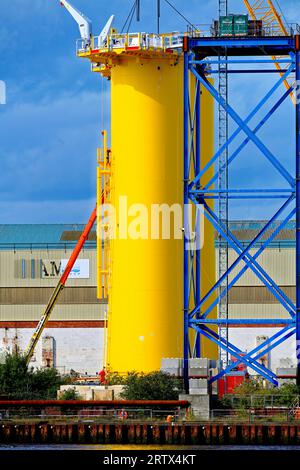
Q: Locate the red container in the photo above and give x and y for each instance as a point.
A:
(232, 382)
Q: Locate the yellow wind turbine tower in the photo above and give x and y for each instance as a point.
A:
(140, 267)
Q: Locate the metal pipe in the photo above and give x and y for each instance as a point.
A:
(138, 10)
(185, 203)
(241, 61)
(158, 16)
(198, 216)
(244, 321)
(251, 71)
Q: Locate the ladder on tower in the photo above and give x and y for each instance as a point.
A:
(103, 218)
(274, 23)
(223, 196)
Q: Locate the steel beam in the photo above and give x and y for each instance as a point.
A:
(298, 213)
(186, 280)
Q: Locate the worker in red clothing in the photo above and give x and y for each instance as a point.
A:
(102, 376)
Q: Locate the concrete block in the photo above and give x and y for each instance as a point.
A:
(117, 390)
(214, 385)
(200, 405)
(200, 371)
(198, 383)
(171, 363)
(198, 391)
(89, 394)
(81, 388)
(103, 395)
(286, 371)
(198, 362)
(84, 392)
(97, 387)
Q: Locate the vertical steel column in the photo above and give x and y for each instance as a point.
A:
(298, 209)
(186, 278)
(158, 16)
(198, 226)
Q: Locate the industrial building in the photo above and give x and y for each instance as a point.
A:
(32, 258)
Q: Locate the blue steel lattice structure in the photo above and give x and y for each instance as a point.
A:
(242, 52)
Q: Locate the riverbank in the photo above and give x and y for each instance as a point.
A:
(206, 433)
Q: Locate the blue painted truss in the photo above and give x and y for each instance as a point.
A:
(200, 56)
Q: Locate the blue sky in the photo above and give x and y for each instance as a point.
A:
(49, 128)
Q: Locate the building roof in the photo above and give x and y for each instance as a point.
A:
(63, 236)
(246, 231)
(34, 236)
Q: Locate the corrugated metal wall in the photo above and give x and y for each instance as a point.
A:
(11, 268)
(279, 263)
(22, 299)
(257, 295)
(252, 311)
(249, 298)
(61, 312)
(41, 295)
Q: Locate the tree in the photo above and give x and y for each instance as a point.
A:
(152, 386)
(14, 375)
(45, 383)
(18, 381)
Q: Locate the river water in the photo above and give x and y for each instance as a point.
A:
(105, 448)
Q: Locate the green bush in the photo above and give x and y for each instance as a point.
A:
(152, 386)
(70, 394)
(19, 382)
(113, 378)
(252, 392)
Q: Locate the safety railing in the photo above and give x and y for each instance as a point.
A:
(274, 415)
(137, 415)
(132, 41)
(262, 30)
(295, 408)
(98, 415)
(260, 401)
(82, 46)
(273, 30)
(151, 41)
